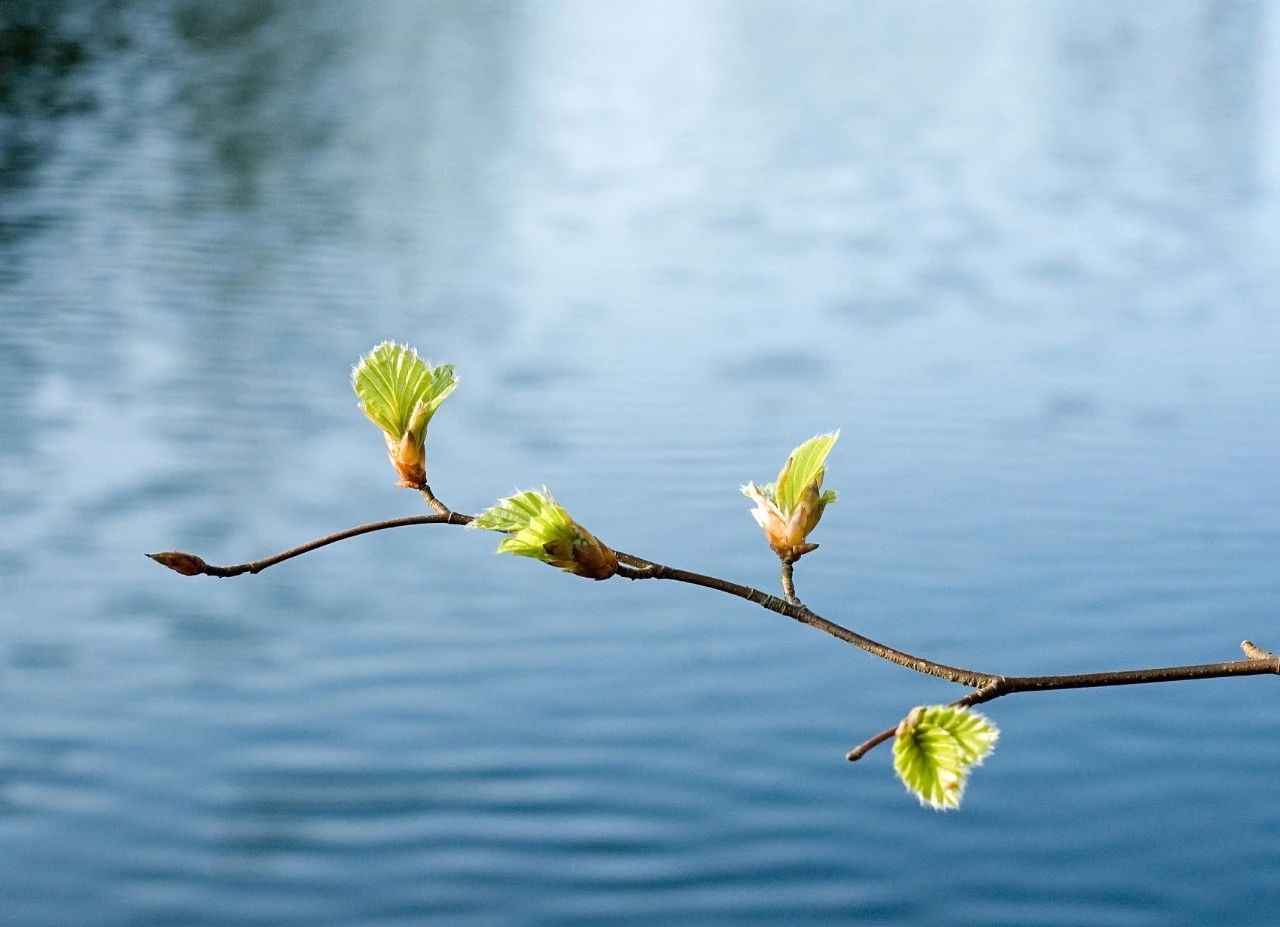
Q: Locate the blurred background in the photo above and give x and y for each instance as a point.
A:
(1024, 255)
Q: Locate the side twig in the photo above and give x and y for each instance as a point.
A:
(191, 565)
(435, 504)
(789, 581)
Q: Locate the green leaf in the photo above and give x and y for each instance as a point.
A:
(975, 736)
(398, 389)
(803, 467)
(512, 513)
(539, 527)
(534, 521)
(935, 748)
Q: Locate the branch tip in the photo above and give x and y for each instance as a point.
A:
(870, 744)
(180, 562)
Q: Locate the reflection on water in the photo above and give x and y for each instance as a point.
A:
(1022, 254)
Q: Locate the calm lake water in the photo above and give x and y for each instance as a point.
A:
(1024, 255)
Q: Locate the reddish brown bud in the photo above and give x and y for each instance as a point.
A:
(786, 533)
(409, 457)
(179, 562)
(593, 559)
(582, 555)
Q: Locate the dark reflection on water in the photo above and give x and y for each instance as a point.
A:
(1022, 254)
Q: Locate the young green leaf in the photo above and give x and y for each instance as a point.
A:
(537, 526)
(935, 748)
(805, 466)
(512, 513)
(398, 390)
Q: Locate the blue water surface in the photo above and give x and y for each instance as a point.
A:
(1024, 255)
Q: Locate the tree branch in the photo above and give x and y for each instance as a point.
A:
(1263, 664)
(647, 569)
(987, 686)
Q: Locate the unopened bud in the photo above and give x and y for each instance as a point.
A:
(592, 558)
(179, 562)
(409, 457)
(808, 512)
(787, 534)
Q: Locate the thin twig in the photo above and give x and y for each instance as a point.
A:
(436, 505)
(191, 565)
(788, 580)
(870, 744)
(1137, 677)
(986, 693)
